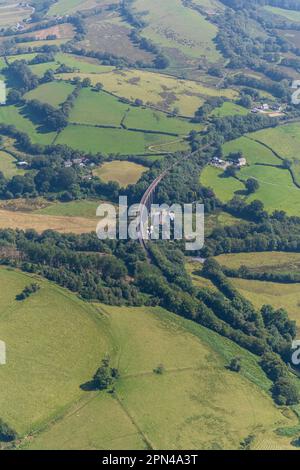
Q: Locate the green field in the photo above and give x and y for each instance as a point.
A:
(66, 7)
(45, 366)
(229, 109)
(124, 173)
(54, 93)
(8, 165)
(12, 115)
(143, 118)
(263, 261)
(114, 141)
(285, 141)
(172, 25)
(172, 410)
(277, 189)
(28, 57)
(40, 69)
(224, 188)
(98, 108)
(101, 108)
(81, 208)
(162, 91)
(292, 15)
(82, 64)
(278, 295)
(253, 151)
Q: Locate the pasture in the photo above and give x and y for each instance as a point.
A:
(15, 116)
(84, 208)
(179, 30)
(124, 173)
(53, 93)
(276, 187)
(285, 141)
(162, 91)
(66, 7)
(109, 32)
(263, 261)
(169, 410)
(41, 222)
(278, 295)
(8, 165)
(229, 109)
(82, 64)
(97, 108)
(223, 187)
(292, 15)
(101, 108)
(110, 141)
(45, 367)
(252, 151)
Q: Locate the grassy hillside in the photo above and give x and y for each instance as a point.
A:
(163, 91)
(45, 365)
(172, 25)
(124, 173)
(170, 410)
(54, 93)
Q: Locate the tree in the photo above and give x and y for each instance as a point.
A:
(235, 364)
(98, 86)
(105, 375)
(86, 82)
(285, 392)
(252, 185)
(159, 370)
(7, 434)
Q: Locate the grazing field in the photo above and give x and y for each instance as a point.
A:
(108, 32)
(274, 261)
(110, 141)
(162, 91)
(82, 64)
(82, 208)
(40, 69)
(223, 187)
(45, 367)
(40, 222)
(13, 116)
(179, 30)
(292, 15)
(285, 141)
(229, 109)
(124, 173)
(276, 188)
(8, 165)
(252, 151)
(66, 7)
(144, 118)
(278, 295)
(169, 410)
(98, 108)
(28, 57)
(54, 93)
